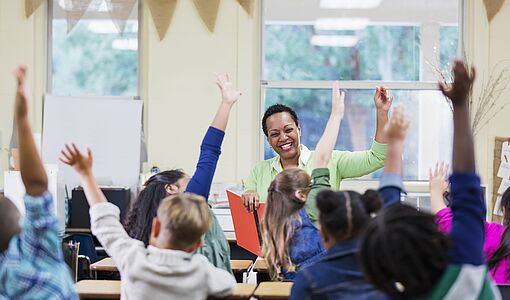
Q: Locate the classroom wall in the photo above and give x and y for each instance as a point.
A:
(488, 44)
(22, 41)
(178, 82)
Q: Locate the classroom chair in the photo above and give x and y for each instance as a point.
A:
(86, 255)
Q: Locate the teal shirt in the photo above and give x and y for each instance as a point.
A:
(342, 165)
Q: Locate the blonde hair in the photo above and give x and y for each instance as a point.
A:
(187, 218)
(281, 217)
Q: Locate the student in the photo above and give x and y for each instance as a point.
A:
(496, 246)
(291, 239)
(281, 127)
(343, 215)
(31, 260)
(139, 219)
(403, 252)
(167, 268)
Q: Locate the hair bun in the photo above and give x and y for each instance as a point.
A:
(371, 201)
(327, 201)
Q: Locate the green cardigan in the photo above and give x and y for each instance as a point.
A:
(343, 164)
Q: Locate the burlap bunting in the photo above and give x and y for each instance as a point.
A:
(162, 11)
(492, 7)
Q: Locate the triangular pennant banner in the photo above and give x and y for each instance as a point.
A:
(31, 6)
(120, 10)
(162, 12)
(247, 5)
(492, 7)
(208, 11)
(75, 9)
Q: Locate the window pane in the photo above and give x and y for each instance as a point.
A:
(398, 40)
(94, 59)
(429, 136)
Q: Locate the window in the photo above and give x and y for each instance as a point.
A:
(402, 44)
(93, 59)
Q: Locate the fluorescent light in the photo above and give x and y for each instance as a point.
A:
(125, 44)
(334, 40)
(341, 24)
(350, 4)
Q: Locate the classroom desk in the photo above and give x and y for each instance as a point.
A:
(106, 264)
(98, 289)
(110, 289)
(240, 265)
(261, 266)
(273, 290)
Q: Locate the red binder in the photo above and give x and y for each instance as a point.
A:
(246, 224)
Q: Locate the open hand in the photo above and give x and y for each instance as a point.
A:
(228, 93)
(396, 128)
(337, 100)
(71, 156)
(382, 99)
(438, 181)
(21, 106)
(462, 82)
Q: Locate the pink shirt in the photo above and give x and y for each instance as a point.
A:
(493, 234)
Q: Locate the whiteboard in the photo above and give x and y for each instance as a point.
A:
(111, 127)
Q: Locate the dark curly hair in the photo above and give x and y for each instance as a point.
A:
(138, 221)
(278, 108)
(403, 252)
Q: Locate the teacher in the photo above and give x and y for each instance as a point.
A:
(281, 127)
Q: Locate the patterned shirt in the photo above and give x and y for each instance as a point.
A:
(33, 266)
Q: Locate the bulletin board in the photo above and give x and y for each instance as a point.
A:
(501, 174)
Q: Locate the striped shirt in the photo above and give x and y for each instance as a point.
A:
(33, 266)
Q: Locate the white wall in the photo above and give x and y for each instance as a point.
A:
(180, 91)
(22, 41)
(487, 46)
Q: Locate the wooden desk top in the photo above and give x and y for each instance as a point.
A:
(243, 291)
(261, 266)
(240, 265)
(98, 289)
(273, 290)
(105, 264)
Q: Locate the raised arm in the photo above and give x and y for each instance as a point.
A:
(210, 150)
(382, 100)
(438, 185)
(327, 142)
(32, 170)
(82, 164)
(391, 182)
(468, 209)
(229, 96)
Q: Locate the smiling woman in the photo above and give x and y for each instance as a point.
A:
(281, 127)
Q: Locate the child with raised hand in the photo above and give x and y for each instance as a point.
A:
(290, 234)
(167, 268)
(496, 247)
(31, 260)
(139, 219)
(403, 252)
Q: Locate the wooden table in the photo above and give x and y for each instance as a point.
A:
(273, 290)
(240, 265)
(261, 266)
(98, 289)
(243, 291)
(106, 264)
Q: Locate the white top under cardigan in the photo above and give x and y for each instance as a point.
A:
(154, 273)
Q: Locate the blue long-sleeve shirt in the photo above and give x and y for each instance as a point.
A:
(216, 247)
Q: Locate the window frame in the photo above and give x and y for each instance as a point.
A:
(346, 84)
(49, 54)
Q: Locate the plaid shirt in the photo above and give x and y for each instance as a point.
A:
(33, 266)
